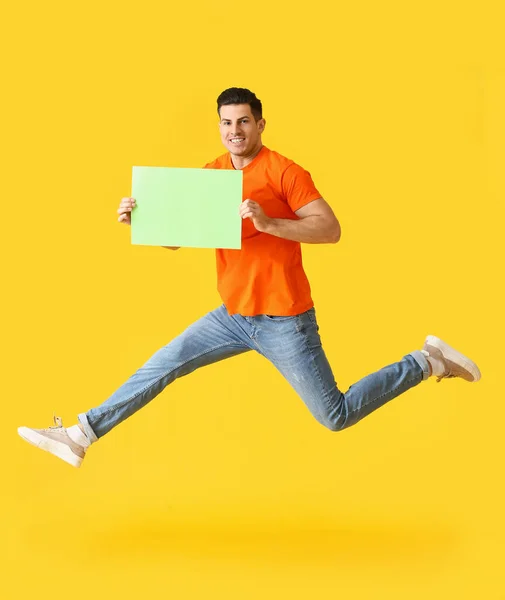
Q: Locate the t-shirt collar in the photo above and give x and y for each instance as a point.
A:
(251, 164)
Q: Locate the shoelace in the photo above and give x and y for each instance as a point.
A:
(445, 376)
(58, 423)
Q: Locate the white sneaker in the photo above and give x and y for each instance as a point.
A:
(453, 362)
(56, 441)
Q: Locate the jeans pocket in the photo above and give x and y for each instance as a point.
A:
(311, 314)
(277, 318)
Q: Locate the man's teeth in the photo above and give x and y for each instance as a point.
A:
(237, 140)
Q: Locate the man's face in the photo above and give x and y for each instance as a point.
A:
(240, 133)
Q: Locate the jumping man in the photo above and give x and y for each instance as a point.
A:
(267, 305)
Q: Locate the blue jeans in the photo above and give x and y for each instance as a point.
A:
(292, 344)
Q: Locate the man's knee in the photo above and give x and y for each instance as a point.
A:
(334, 424)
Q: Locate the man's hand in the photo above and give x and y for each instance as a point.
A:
(124, 211)
(252, 210)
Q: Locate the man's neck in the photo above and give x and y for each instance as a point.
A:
(239, 162)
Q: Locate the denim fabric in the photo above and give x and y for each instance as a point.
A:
(292, 344)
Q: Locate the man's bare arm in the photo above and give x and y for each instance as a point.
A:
(317, 224)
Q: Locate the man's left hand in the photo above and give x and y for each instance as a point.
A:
(252, 210)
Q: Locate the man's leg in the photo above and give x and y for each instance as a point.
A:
(293, 345)
(212, 338)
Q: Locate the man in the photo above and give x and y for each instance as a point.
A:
(267, 305)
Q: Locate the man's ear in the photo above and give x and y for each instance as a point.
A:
(261, 125)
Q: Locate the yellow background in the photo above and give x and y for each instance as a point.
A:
(225, 486)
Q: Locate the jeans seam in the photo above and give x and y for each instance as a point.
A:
(184, 362)
(316, 368)
(382, 396)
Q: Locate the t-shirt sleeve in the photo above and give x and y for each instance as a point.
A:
(215, 164)
(298, 187)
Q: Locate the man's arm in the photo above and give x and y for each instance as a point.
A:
(317, 223)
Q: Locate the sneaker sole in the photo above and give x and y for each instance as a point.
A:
(455, 356)
(57, 448)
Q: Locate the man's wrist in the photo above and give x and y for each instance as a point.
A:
(270, 225)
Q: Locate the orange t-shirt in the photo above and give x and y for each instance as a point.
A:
(266, 276)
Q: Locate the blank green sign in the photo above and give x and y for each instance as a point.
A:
(198, 208)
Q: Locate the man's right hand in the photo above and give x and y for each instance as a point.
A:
(124, 211)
